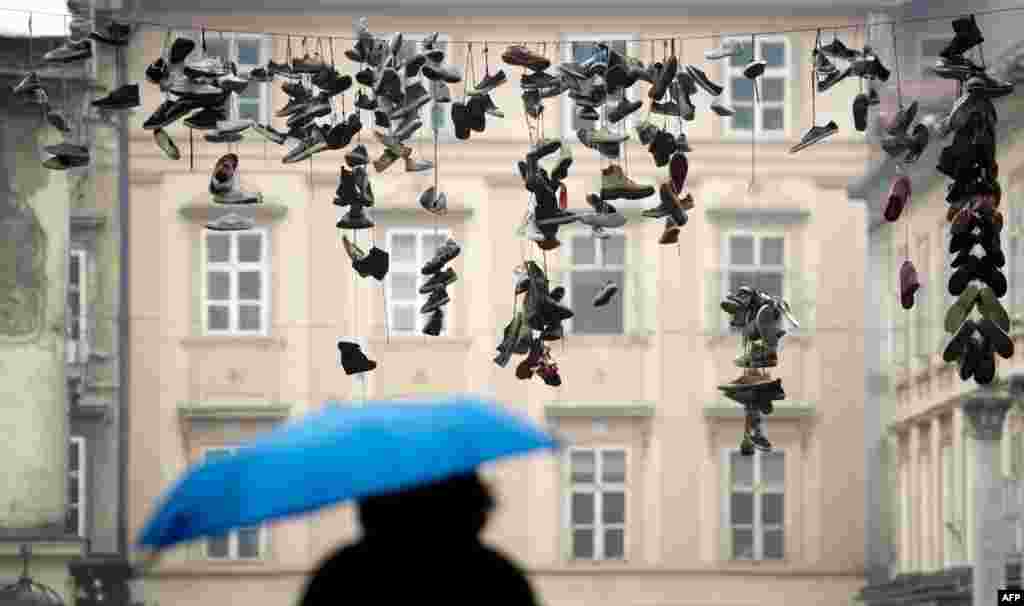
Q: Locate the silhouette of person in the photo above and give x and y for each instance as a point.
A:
(422, 545)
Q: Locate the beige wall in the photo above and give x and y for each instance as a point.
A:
(668, 358)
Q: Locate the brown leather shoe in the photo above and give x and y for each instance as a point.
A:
(549, 244)
(671, 233)
(521, 56)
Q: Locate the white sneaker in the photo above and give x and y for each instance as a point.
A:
(532, 231)
(231, 222)
(729, 48)
(233, 126)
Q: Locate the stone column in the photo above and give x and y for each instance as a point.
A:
(914, 497)
(935, 524)
(987, 414)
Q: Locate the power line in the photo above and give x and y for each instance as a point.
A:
(812, 29)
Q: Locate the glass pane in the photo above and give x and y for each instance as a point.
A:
(774, 545)
(613, 508)
(583, 544)
(581, 51)
(614, 544)
(769, 282)
(741, 508)
(771, 508)
(403, 286)
(744, 57)
(250, 248)
(743, 119)
(73, 456)
(249, 543)
(772, 251)
(404, 318)
(75, 313)
(773, 53)
(590, 320)
(583, 252)
(613, 466)
(249, 318)
(403, 248)
(583, 465)
(73, 489)
(218, 248)
(248, 109)
(217, 547)
(742, 470)
(431, 243)
(742, 544)
(773, 118)
(218, 285)
(773, 90)
(250, 285)
(248, 52)
(215, 47)
(742, 89)
(582, 510)
(773, 468)
(614, 250)
(741, 250)
(73, 271)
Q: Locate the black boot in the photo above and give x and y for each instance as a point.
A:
(375, 263)
(967, 35)
(435, 323)
(353, 360)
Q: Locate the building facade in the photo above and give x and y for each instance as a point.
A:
(652, 502)
(920, 450)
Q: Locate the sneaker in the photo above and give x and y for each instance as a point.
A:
(437, 299)
(754, 70)
(231, 222)
(206, 119)
(168, 113)
(314, 144)
(814, 135)
(439, 280)
(624, 108)
(722, 110)
(115, 34)
(520, 56)
(616, 185)
(956, 67)
(357, 156)
(28, 84)
(435, 324)
(729, 48)
(869, 67)
(701, 79)
(353, 360)
(604, 294)
(166, 144)
(445, 73)
(270, 133)
(219, 136)
(65, 162)
(822, 65)
(488, 83)
(444, 255)
(433, 202)
(604, 135)
(909, 284)
(988, 86)
(832, 79)
(967, 35)
(538, 80)
(180, 49)
(206, 67)
(69, 52)
(837, 50)
(317, 107)
(70, 150)
(234, 126)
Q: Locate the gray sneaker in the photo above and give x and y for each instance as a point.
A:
(231, 222)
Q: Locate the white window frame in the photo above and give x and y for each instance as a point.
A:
(566, 104)
(728, 267)
(231, 54)
(233, 535)
(598, 265)
(82, 476)
(233, 267)
(447, 134)
(597, 489)
(758, 527)
(419, 233)
(77, 351)
(787, 73)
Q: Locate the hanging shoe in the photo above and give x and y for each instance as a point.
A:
(909, 284)
(413, 165)
(435, 324)
(219, 136)
(314, 144)
(814, 135)
(166, 144)
(65, 162)
(728, 48)
(832, 79)
(355, 218)
(374, 263)
(488, 83)
(28, 84)
(270, 133)
(69, 52)
(918, 142)
(231, 222)
(899, 196)
(115, 34)
(125, 97)
(439, 280)
(822, 66)
(671, 233)
(837, 50)
(616, 185)
(357, 156)
(57, 120)
(604, 294)
(445, 253)
(353, 360)
(701, 79)
(68, 149)
(860, 112)
(722, 110)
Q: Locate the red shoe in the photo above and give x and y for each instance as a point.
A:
(908, 284)
(899, 195)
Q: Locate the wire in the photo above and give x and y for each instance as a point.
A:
(800, 30)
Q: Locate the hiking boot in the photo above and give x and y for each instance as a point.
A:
(616, 185)
(353, 360)
(521, 56)
(814, 135)
(69, 52)
(435, 324)
(355, 218)
(701, 79)
(231, 222)
(909, 284)
(967, 35)
(604, 294)
(438, 298)
(444, 255)
(166, 144)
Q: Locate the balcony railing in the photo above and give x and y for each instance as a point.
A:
(798, 290)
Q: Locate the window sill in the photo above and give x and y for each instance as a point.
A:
(404, 341)
(633, 339)
(728, 567)
(256, 342)
(207, 211)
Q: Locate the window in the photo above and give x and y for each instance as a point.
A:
(756, 505)
(576, 49)
(1015, 259)
(410, 249)
(74, 522)
(769, 116)
(241, 544)
(439, 113)
(597, 503)
(249, 51)
(929, 50)
(236, 282)
(756, 260)
(594, 262)
(77, 318)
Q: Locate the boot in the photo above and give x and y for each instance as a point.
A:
(529, 365)
(375, 263)
(353, 360)
(616, 185)
(435, 323)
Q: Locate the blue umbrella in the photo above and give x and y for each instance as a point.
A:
(339, 453)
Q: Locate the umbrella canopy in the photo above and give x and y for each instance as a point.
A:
(338, 453)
